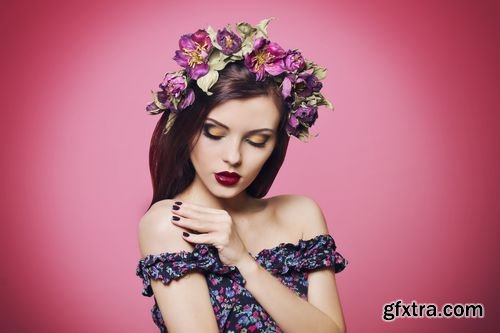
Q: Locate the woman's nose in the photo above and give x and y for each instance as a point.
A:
(232, 154)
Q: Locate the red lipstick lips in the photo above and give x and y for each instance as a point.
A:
(227, 178)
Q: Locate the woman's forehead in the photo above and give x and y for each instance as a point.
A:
(251, 113)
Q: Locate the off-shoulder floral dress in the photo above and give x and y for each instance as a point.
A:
(236, 310)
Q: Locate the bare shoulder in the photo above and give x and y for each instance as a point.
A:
(157, 234)
(179, 299)
(303, 211)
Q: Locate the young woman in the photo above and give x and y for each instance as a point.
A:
(216, 255)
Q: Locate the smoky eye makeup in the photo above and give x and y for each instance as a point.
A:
(260, 139)
(213, 132)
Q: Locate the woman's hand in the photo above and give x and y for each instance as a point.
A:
(215, 227)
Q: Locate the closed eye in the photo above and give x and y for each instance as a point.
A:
(257, 144)
(206, 132)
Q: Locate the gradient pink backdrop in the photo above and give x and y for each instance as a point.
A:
(406, 168)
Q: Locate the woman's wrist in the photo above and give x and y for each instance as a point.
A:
(247, 264)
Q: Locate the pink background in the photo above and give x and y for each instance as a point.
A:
(405, 168)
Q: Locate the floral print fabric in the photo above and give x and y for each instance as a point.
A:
(236, 310)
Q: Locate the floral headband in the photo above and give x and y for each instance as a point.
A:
(205, 52)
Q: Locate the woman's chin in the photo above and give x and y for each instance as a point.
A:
(226, 193)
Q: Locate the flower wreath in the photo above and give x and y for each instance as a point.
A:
(203, 53)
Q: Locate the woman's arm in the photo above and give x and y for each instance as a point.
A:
(292, 313)
(184, 303)
(322, 313)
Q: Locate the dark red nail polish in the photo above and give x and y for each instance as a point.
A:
(176, 218)
(178, 203)
(185, 234)
(176, 207)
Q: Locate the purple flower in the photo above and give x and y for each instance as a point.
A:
(229, 41)
(160, 104)
(301, 119)
(153, 108)
(307, 114)
(186, 100)
(175, 95)
(294, 61)
(164, 99)
(292, 125)
(304, 84)
(266, 57)
(286, 86)
(193, 54)
(173, 84)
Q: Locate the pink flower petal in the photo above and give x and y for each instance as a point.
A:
(198, 71)
(181, 58)
(275, 68)
(186, 43)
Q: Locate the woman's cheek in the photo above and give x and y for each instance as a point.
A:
(260, 159)
(208, 146)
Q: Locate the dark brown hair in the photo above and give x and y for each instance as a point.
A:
(169, 155)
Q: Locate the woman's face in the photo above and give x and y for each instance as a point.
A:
(237, 136)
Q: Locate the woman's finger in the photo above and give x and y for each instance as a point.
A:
(199, 238)
(186, 212)
(200, 209)
(196, 225)
(189, 212)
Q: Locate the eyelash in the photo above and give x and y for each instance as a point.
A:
(213, 137)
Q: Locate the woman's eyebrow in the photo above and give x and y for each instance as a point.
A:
(249, 132)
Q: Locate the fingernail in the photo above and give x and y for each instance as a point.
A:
(185, 234)
(176, 207)
(176, 218)
(178, 203)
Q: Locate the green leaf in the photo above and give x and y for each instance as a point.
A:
(245, 29)
(314, 100)
(170, 121)
(262, 27)
(157, 102)
(305, 136)
(236, 56)
(217, 60)
(247, 46)
(318, 99)
(309, 64)
(207, 81)
(329, 104)
(175, 102)
(213, 37)
(319, 72)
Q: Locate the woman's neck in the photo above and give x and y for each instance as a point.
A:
(198, 194)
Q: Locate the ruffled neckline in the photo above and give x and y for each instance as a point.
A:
(305, 255)
(301, 244)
